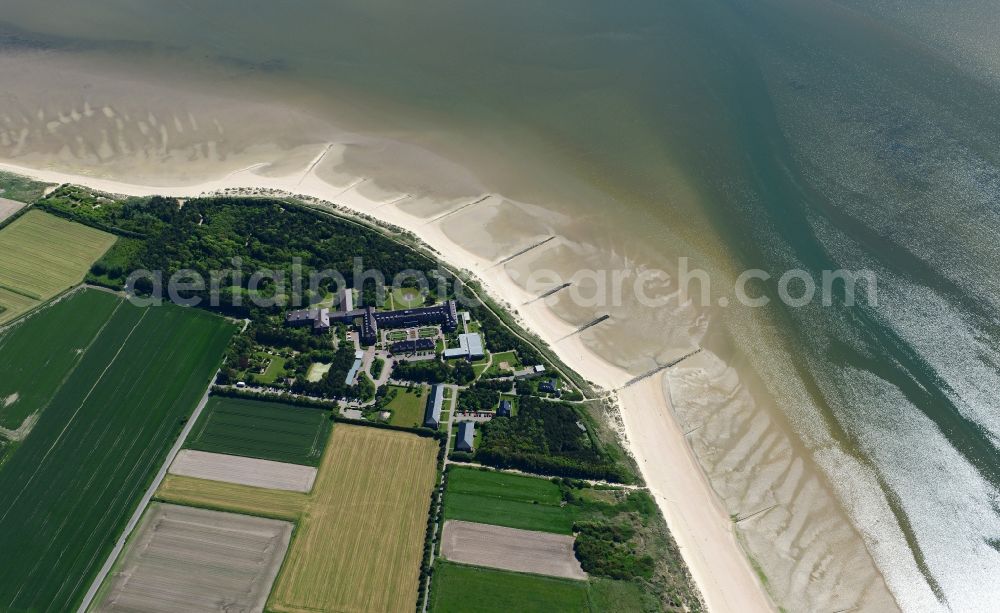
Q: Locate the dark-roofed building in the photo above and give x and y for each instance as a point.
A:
(550, 386)
(404, 347)
(369, 327)
(466, 436)
(445, 314)
(318, 319)
(432, 415)
(505, 410)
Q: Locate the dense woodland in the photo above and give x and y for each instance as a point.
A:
(206, 234)
(545, 437)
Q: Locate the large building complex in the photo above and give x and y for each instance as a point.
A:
(444, 314)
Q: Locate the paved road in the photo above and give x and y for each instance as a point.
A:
(134, 521)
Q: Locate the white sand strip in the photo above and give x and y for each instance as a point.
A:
(526, 551)
(244, 471)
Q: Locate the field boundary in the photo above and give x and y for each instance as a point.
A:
(143, 504)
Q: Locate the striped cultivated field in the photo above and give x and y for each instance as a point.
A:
(36, 354)
(72, 484)
(360, 546)
(264, 430)
(185, 560)
(360, 535)
(42, 256)
(233, 497)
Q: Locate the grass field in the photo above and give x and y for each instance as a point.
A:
(508, 500)
(360, 532)
(480, 366)
(396, 335)
(407, 298)
(275, 369)
(508, 357)
(38, 353)
(459, 589)
(265, 430)
(317, 371)
(70, 487)
(407, 407)
(500, 591)
(42, 256)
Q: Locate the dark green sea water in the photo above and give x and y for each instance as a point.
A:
(807, 134)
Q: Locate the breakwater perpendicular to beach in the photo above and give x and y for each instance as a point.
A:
(548, 293)
(523, 251)
(743, 518)
(456, 210)
(587, 325)
(659, 369)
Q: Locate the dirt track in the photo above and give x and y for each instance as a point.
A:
(244, 471)
(510, 549)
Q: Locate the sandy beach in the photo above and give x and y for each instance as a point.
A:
(695, 515)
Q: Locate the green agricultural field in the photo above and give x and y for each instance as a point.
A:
(503, 499)
(42, 256)
(265, 430)
(407, 407)
(38, 353)
(73, 483)
(497, 591)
